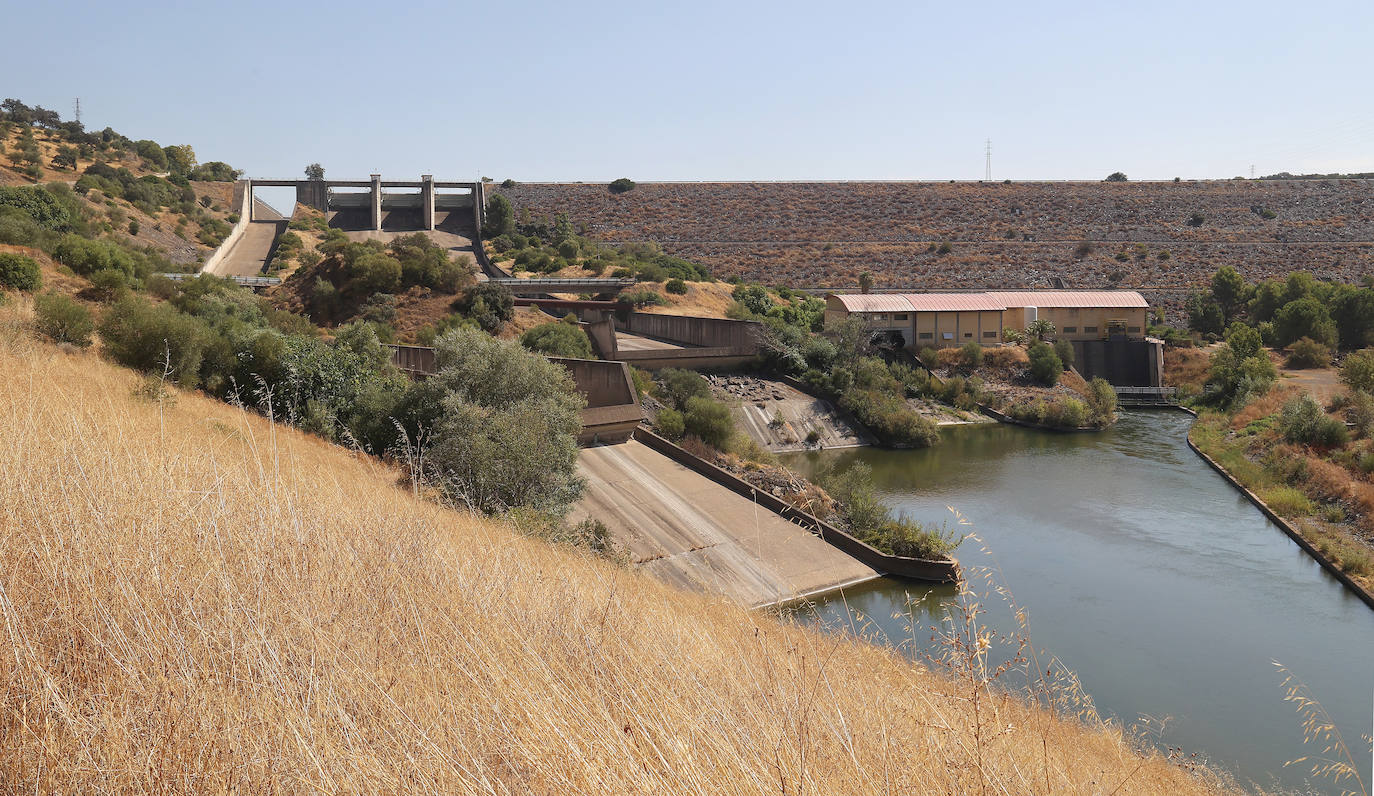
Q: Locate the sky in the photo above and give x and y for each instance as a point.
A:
(558, 91)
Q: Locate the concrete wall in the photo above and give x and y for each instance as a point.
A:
(946, 329)
(742, 336)
(1124, 363)
(946, 571)
(243, 204)
(1087, 323)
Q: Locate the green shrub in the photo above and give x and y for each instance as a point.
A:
(677, 386)
(506, 426)
(62, 319)
(971, 355)
(489, 304)
(889, 417)
(558, 339)
(109, 284)
(708, 420)
(1045, 365)
(1358, 370)
(1064, 350)
(19, 272)
(642, 298)
(152, 338)
(1308, 353)
(1101, 402)
(1302, 420)
(676, 286)
(670, 423)
(86, 256)
(622, 185)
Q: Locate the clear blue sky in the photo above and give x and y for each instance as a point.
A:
(706, 90)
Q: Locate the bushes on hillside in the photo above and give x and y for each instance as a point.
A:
(558, 339)
(622, 185)
(1308, 353)
(85, 257)
(507, 426)
(1045, 364)
(62, 320)
(1303, 421)
(155, 338)
(19, 272)
(1358, 370)
(888, 416)
(38, 204)
(865, 516)
(489, 304)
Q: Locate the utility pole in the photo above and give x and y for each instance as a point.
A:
(987, 164)
(76, 109)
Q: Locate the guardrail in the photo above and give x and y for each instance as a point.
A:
(246, 281)
(564, 285)
(1152, 392)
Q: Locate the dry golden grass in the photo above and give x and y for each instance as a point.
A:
(194, 600)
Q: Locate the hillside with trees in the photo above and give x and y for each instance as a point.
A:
(134, 193)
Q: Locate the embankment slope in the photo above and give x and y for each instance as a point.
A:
(195, 600)
(1161, 238)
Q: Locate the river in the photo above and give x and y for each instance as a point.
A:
(1145, 573)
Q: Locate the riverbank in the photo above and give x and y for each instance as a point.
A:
(1345, 557)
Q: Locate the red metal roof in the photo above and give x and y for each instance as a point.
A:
(953, 302)
(874, 302)
(1115, 299)
(989, 301)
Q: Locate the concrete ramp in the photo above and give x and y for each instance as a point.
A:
(694, 533)
(248, 254)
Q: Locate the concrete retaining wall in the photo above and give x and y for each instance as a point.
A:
(686, 358)
(946, 571)
(741, 336)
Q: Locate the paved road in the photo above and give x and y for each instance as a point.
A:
(694, 533)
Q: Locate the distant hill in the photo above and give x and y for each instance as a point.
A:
(134, 193)
(1161, 237)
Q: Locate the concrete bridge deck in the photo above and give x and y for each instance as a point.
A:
(694, 533)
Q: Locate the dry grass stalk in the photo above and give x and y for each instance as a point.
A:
(195, 600)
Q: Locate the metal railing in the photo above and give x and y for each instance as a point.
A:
(246, 281)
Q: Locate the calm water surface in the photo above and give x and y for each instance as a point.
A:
(1146, 574)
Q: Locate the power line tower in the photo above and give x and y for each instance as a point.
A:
(1252, 171)
(76, 109)
(987, 163)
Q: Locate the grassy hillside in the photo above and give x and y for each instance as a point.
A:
(1156, 236)
(196, 600)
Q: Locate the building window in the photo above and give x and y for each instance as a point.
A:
(1070, 330)
(880, 317)
(1089, 330)
(947, 335)
(925, 335)
(1133, 330)
(968, 334)
(901, 316)
(990, 334)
